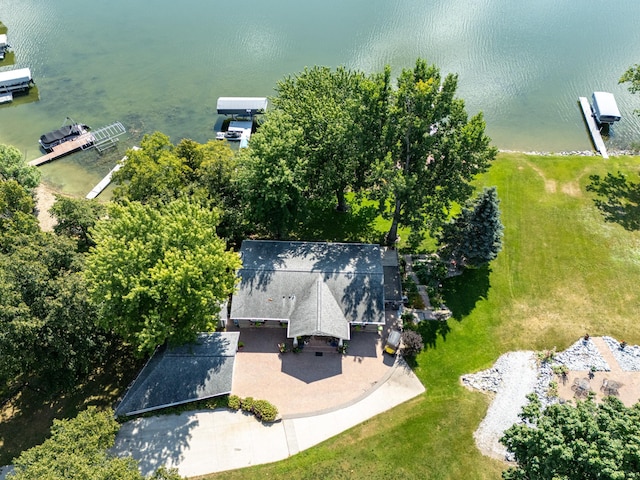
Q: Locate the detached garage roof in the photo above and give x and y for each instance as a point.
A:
(178, 375)
(241, 105)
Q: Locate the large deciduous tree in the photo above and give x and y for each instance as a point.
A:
(433, 150)
(333, 110)
(159, 273)
(75, 217)
(474, 237)
(582, 442)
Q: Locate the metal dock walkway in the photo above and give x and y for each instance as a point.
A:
(100, 139)
(593, 127)
(104, 183)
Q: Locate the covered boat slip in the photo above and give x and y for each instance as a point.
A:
(242, 106)
(4, 46)
(15, 80)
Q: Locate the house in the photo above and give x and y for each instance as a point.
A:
(313, 289)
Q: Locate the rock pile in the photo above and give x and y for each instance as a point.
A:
(627, 356)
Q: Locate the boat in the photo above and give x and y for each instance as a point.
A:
(233, 135)
(71, 131)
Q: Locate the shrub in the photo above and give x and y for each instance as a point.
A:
(234, 402)
(264, 411)
(247, 404)
(412, 343)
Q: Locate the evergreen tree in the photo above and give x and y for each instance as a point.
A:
(474, 237)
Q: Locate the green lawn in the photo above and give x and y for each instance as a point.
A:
(563, 272)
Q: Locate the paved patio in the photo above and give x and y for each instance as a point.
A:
(304, 383)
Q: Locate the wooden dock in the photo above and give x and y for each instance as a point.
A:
(593, 127)
(65, 148)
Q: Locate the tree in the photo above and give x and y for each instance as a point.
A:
(332, 110)
(13, 167)
(47, 323)
(586, 441)
(432, 152)
(632, 77)
(272, 177)
(78, 449)
(159, 273)
(160, 172)
(75, 217)
(16, 213)
(412, 343)
(474, 237)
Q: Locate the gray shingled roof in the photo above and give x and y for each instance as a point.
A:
(177, 375)
(319, 288)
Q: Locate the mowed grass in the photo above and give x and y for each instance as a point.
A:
(563, 272)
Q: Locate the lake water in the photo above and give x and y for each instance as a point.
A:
(161, 65)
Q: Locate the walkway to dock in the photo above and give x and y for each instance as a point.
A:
(593, 127)
(104, 183)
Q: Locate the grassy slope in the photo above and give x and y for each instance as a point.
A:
(563, 272)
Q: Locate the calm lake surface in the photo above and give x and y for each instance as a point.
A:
(161, 65)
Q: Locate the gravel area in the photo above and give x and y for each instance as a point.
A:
(517, 374)
(628, 357)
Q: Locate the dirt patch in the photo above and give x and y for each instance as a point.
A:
(550, 186)
(572, 189)
(45, 198)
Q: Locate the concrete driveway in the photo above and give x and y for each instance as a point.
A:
(204, 442)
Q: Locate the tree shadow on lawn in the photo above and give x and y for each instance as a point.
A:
(618, 199)
(462, 292)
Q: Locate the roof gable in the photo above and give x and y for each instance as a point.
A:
(316, 287)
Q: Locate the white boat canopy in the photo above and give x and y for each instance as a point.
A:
(3, 41)
(605, 107)
(241, 105)
(12, 78)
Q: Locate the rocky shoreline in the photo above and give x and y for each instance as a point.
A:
(577, 153)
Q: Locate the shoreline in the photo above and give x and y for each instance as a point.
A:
(571, 153)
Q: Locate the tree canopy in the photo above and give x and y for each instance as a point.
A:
(412, 149)
(78, 449)
(632, 77)
(160, 172)
(582, 442)
(159, 273)
(13, 167)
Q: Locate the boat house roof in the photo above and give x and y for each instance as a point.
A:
(241, 105)
(184, 374)
(317, 288)
(12, 77)
(606, 104)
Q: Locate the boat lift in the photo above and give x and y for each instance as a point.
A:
(106, 137)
